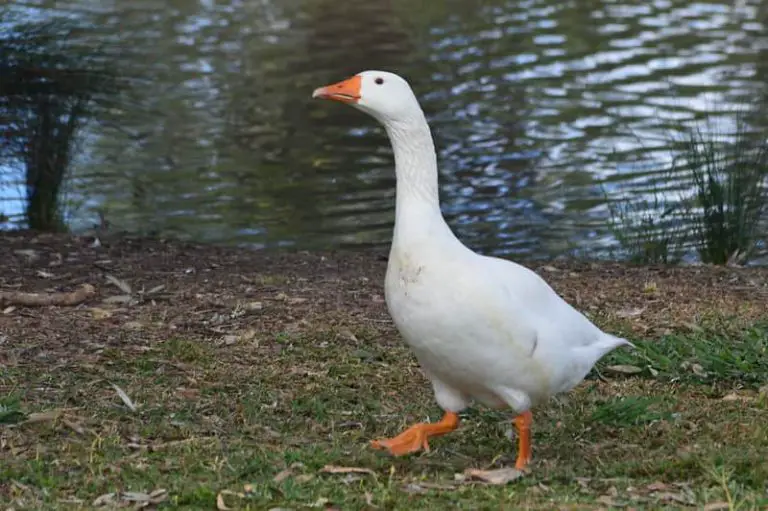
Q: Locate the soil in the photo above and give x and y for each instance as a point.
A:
(212, 291)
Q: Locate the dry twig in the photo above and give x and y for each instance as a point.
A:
(20, 298)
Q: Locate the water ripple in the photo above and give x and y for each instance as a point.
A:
(533, 104)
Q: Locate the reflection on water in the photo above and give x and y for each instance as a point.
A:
(534, 105)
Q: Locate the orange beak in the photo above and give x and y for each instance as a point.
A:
(346, 91)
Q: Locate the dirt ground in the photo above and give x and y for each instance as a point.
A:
(249, 365)
(211, 291)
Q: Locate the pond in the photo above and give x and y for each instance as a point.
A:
(542, 111)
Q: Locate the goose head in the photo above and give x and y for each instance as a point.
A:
(385, 96)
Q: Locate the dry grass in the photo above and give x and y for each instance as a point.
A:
(247, 373)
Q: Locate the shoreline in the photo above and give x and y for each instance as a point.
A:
(353, 278)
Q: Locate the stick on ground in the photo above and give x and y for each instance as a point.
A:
(20, 298)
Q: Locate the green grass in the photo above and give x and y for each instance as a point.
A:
(648, 230)
(716, 355)
(722, 210)
(262, 421)
(731, 199)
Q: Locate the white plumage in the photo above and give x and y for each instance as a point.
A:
(483, 329)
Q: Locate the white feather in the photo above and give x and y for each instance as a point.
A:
(483, 328)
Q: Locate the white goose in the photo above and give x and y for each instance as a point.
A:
(483, 329)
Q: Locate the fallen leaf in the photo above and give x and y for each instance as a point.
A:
(332, 469)
(9, 309)
(282, 297)
(248, 336)
(346, 333)
(71, 500)
(498, 476)
(437, 486)
(31, 255)
(127, 400)
(693, 327)
(118, 299)
(188, 393)
(673, 497)
(98, 313)
(103, 500)
(657, 486)
(303, 478)
(220, 504)
(254, 306)
(77, 428)
(155, 289)
(607, 500)
(716, 506)
(44, 274)
(321, 502)
(282, 475)
(698, 370)
(350, 478)
(736, 397)
(158, 495)
(48, 415)
(230, 339)
(120, 284)
(630, 313)
(583, 482)
(623, 369)
(135, 496)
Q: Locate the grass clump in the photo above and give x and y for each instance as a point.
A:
(626, 411)
(647, 229)
(10, 412)
(710, 354)
(730, 201)
(721, 210)
(257, 432)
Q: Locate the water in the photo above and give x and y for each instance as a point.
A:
(536, 107)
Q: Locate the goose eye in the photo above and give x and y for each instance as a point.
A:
(379, 81)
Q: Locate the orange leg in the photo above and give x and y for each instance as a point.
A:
(415, 437)
(523, 423)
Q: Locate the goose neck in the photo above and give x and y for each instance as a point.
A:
(415, 167)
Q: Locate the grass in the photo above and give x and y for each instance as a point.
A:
(724, 213)
(647, 229)
(731, 197)
(716, 355)
(229, 424)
